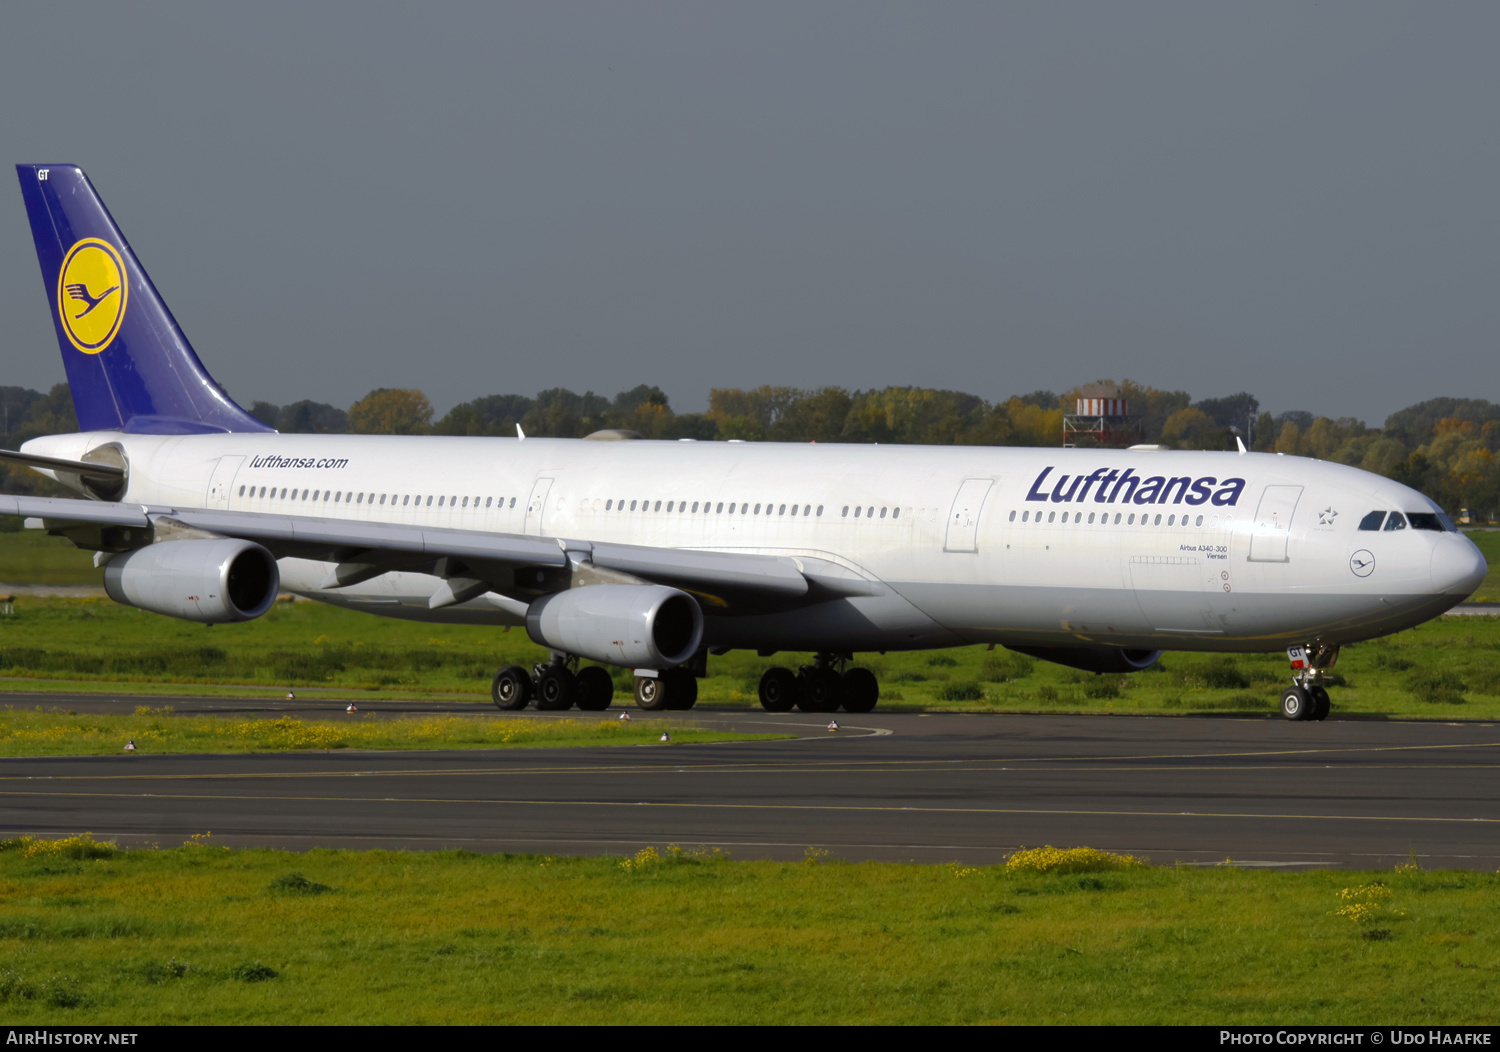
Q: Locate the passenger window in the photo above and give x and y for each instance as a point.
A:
(807, 510)
(1128, 522)
(882, 513)
(1025, 516)
(695, 506)
(1372, 521)
(820, 509)
(846, 511)
(895, 513)
(858, 512)
(871, 512)
(721, 507)
(512, 502)
(1012, 515)
(779, 511)
(1395, 522)
(1158, 521)
(669, 505)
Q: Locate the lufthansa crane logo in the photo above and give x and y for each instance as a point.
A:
(91, 293)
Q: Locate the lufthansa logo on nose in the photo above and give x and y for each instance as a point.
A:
(1362, 563)
(91, 293)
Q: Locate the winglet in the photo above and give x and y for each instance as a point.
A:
(1237, 442)
(521, 435)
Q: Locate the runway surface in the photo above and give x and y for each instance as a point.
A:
(898, 786)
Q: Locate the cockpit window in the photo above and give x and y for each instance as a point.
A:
(1397, 521)
(1372, 521)
(1447, 523)
(1424, 520)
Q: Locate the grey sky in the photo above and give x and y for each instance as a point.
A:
(1294, 199)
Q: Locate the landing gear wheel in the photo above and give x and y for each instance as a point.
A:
(861, 690)
(1321, 703)
(555, 689)
(822, 690)
(1296, 704)
(682, 689)
(511, 688)
(779, 690)
(651, 693)
(595, 689)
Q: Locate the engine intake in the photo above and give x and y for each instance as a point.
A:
(215, 581)
(1094, 659)
(636, 626)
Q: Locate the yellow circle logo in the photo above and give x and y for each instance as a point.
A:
(91, 291)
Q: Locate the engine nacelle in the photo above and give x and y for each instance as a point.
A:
(1094, 659)
(211, 580)
(633, 625)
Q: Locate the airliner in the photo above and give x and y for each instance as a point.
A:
(653, 556)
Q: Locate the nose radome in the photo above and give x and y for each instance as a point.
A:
(1458, 567)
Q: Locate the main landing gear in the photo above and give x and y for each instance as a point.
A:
(555, 686)
(1307, 698)
(823, 686)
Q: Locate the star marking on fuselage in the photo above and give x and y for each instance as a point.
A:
(1326, 517)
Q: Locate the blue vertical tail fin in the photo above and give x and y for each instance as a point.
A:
(129, 366)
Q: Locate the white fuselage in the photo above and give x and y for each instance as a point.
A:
(1207, 551)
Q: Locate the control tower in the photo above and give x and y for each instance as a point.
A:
(1102, 419)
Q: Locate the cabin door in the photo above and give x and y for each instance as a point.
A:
(963, 519)
(1272, 527)
(221, 482)
(536, 505)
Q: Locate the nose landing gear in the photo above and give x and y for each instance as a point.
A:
(1307, 698)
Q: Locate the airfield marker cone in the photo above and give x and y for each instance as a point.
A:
(833, 725)
(665, 737)
(352, 707)
(130, 745)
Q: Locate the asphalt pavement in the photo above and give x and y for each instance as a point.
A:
(933, 787)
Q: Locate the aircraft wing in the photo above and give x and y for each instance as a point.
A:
(729, 582)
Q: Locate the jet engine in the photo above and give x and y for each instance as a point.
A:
(211, 580)
(636, 626)
(1094, 659)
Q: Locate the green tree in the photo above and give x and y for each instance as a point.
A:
(391, 411)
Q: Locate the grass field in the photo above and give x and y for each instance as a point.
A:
(1444, 669)
(156, 730)
(201, 934)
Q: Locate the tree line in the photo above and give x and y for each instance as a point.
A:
(1445, 447)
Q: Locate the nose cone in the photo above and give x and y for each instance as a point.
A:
(1458, 567)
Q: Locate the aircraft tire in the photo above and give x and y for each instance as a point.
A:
(1321, 703)
(556, 688)
(779, 690)
(1296, 704)
(682, 689)
(652, 694)
(822, 690)
(861, 690)
(511, 688)
(595, 689)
